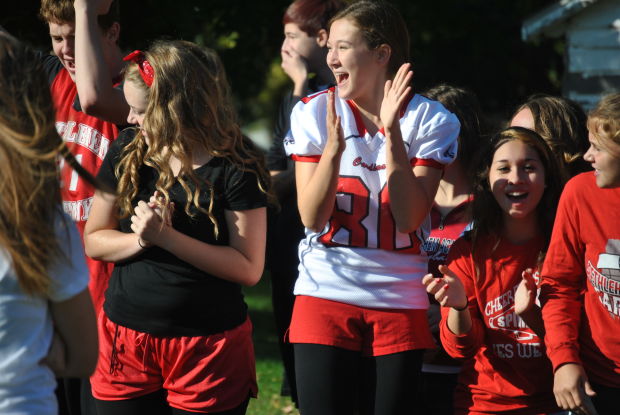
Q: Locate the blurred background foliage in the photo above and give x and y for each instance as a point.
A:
(470, 43)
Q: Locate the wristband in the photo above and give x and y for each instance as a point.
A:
(464, 307)
(140, 243)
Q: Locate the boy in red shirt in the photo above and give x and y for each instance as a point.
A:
(86, 64)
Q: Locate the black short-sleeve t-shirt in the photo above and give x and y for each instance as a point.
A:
(156, 292)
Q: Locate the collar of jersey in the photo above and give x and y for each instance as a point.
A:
(361, 128)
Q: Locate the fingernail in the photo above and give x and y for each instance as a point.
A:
(446, 286)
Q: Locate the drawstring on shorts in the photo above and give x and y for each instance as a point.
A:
(115, 363)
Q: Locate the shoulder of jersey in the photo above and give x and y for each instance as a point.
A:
(311, 97)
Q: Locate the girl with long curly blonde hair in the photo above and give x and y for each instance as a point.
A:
(46, 314)
(186, 231)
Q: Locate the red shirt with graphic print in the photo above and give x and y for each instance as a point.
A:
(88, 138)
(505, 368)
(581, 281)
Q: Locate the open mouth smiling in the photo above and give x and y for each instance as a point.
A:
(516, 196)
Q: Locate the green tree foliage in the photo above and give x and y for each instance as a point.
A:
(477, 44)
(472, 43)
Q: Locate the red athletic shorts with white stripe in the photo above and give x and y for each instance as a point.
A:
(371, 331)
(200, 374)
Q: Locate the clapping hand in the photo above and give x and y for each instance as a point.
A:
(151, 219)
(335, 135)
(525, 296)
(394, 95)
(448, 290)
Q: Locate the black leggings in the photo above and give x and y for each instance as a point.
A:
(154, 404)
(335, 381)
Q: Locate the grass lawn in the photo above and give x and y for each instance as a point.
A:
(268, 363)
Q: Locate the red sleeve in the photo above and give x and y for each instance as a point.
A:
(466, 345)
(309, 159)
(563, 278)
(427, 162)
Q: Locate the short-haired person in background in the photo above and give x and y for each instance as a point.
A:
(186, 231)
(516, 191)
(580, 279)
(47, 321)
(450, 217)
(562, 123)
(369, 155)
(303, 60)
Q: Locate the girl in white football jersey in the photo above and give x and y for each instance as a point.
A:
(369, 156)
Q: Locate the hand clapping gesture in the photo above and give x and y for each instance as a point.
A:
(394, 95)
(448, 291)
(525, 296)
(335, 135)
(151, 220)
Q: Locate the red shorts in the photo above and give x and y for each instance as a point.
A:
(371, 331)
(201, 374)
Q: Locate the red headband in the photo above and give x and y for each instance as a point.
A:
(146, 70)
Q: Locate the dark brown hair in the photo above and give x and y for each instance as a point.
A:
(380, 24)
(464, 104)
(487, 215)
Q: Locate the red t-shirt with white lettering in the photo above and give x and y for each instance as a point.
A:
(88, 138)
(581, 281)
(505, 368)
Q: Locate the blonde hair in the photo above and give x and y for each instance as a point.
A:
(189, 109)
(604, 119)
(29, 146)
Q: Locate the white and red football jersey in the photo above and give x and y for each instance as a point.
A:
(360, 257)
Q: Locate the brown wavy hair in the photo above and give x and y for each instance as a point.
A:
(189, 109)
(29, 149)
(562, 123)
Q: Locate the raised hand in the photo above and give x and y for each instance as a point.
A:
(448, 291)
(335, 135)
(295, 66)
(394, 95)
(525, 296)
(99, 6)
(572, 389)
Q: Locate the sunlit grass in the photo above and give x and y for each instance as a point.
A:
(268, 363)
